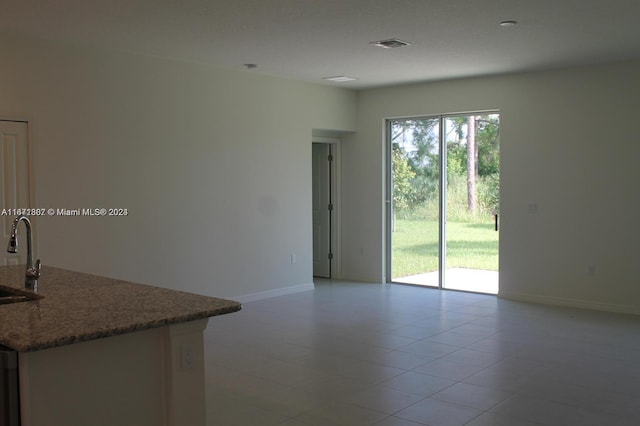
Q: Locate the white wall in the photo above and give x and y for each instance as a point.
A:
(213, 165)
(569, 143)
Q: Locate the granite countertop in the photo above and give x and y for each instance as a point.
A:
(77, 307)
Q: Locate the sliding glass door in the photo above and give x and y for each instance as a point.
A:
(415, 183)
(443, 201)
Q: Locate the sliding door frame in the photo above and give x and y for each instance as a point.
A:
(442, 191)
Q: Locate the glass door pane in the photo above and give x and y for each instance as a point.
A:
(472, 201)
(415, 200)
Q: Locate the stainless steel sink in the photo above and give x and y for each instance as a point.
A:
(16, 296)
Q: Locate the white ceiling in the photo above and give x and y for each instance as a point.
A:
(311, 39)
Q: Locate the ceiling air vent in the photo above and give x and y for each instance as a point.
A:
(339, 79)
(391, 43)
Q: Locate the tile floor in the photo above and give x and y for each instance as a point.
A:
(372, 354)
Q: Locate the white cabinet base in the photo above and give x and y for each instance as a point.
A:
(152, 377)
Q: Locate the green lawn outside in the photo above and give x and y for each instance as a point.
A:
(469, 245)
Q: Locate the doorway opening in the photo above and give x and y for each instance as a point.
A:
(325, 206)
(16, 179)
(443, 201)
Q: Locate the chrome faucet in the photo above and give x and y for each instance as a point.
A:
(33, 269)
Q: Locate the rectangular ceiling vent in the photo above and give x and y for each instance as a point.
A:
(339, 79)
(391, 43)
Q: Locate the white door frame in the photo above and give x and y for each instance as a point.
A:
(31, 175)
(335, 214)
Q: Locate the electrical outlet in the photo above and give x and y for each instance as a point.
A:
(293, 258)
(591, 270)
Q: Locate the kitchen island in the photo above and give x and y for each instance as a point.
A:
(102, 351)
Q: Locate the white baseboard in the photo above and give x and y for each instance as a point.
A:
(273, 293)
(571, 303)
(361, 279)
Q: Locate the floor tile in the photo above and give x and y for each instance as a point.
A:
(357, 353)
(438, 413)
(492, 419)
(472, 396)
(536, 410)
(397, 421)
(386, 400)
(402, 360)
(449, 369)
(342, 413)
(418, 384)
(428, 348)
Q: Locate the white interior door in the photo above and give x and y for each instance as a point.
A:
(14, 180)
(321, 210)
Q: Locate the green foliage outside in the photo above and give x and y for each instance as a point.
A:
(402, 178)
(471, 240)
(488, 199)
(416, 167)
(469, 245)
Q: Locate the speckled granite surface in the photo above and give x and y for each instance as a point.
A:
(77, 307)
